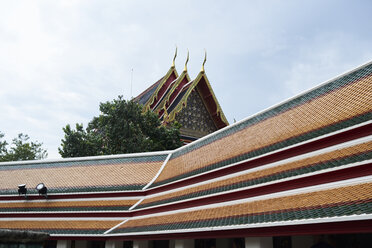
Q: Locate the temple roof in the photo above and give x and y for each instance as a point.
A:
(144, 97)
(302, 166)
(257, 211)
(110, 173)
(202, 86)
(169, 95)
(153, 95)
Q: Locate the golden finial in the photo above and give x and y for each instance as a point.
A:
(165, 115)
(205, 60)
(187, 60)
(174, 58)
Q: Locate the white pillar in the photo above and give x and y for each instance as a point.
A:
(184, 243)
(259, 242)
(140, 244)
(63, 243)
(113, 244)
(81, 244)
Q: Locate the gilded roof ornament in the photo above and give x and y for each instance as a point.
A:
(165, 114)
(205, 60)
(174, 58)
(187, 60)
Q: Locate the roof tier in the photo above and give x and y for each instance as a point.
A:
(169, 95)
(341, 201)
(304, 164)
(339, 104)
(90, 174)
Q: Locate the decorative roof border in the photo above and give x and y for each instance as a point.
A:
(170, 93)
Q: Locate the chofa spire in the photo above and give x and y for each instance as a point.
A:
(187, 60)
(174, 58)
(205, 60)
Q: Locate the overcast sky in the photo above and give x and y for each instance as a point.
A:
(60, 59)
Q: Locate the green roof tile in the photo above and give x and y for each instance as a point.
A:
(285, 174)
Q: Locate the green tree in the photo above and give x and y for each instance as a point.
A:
(3, 148)
(21, 148)
(79, 142)
(122, 127)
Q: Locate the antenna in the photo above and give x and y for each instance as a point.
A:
(131, 83)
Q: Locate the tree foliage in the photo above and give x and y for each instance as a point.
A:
(21, 148)
(122, 127)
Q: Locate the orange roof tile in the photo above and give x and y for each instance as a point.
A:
(83, 175)
(342, 104)
(342, 196)
(223, 185)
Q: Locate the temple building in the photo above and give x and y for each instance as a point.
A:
(296, 175)
(192, 103)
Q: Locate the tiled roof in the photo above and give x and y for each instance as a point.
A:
(202, 86)
(84, 175)
(313, 154)
(341, 103)
(171, 92)
(67, 206)
(84, 227)
(161, 101)
(149, 98)
(177, 100)
(178, 96)
(144, 97)
(342, 201)
(315, 163)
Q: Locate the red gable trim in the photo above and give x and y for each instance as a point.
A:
(159, 97)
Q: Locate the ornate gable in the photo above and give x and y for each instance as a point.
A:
(195, 119)
(190, 102)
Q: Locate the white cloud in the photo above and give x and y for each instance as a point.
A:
(324, 57)
(59, 59)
